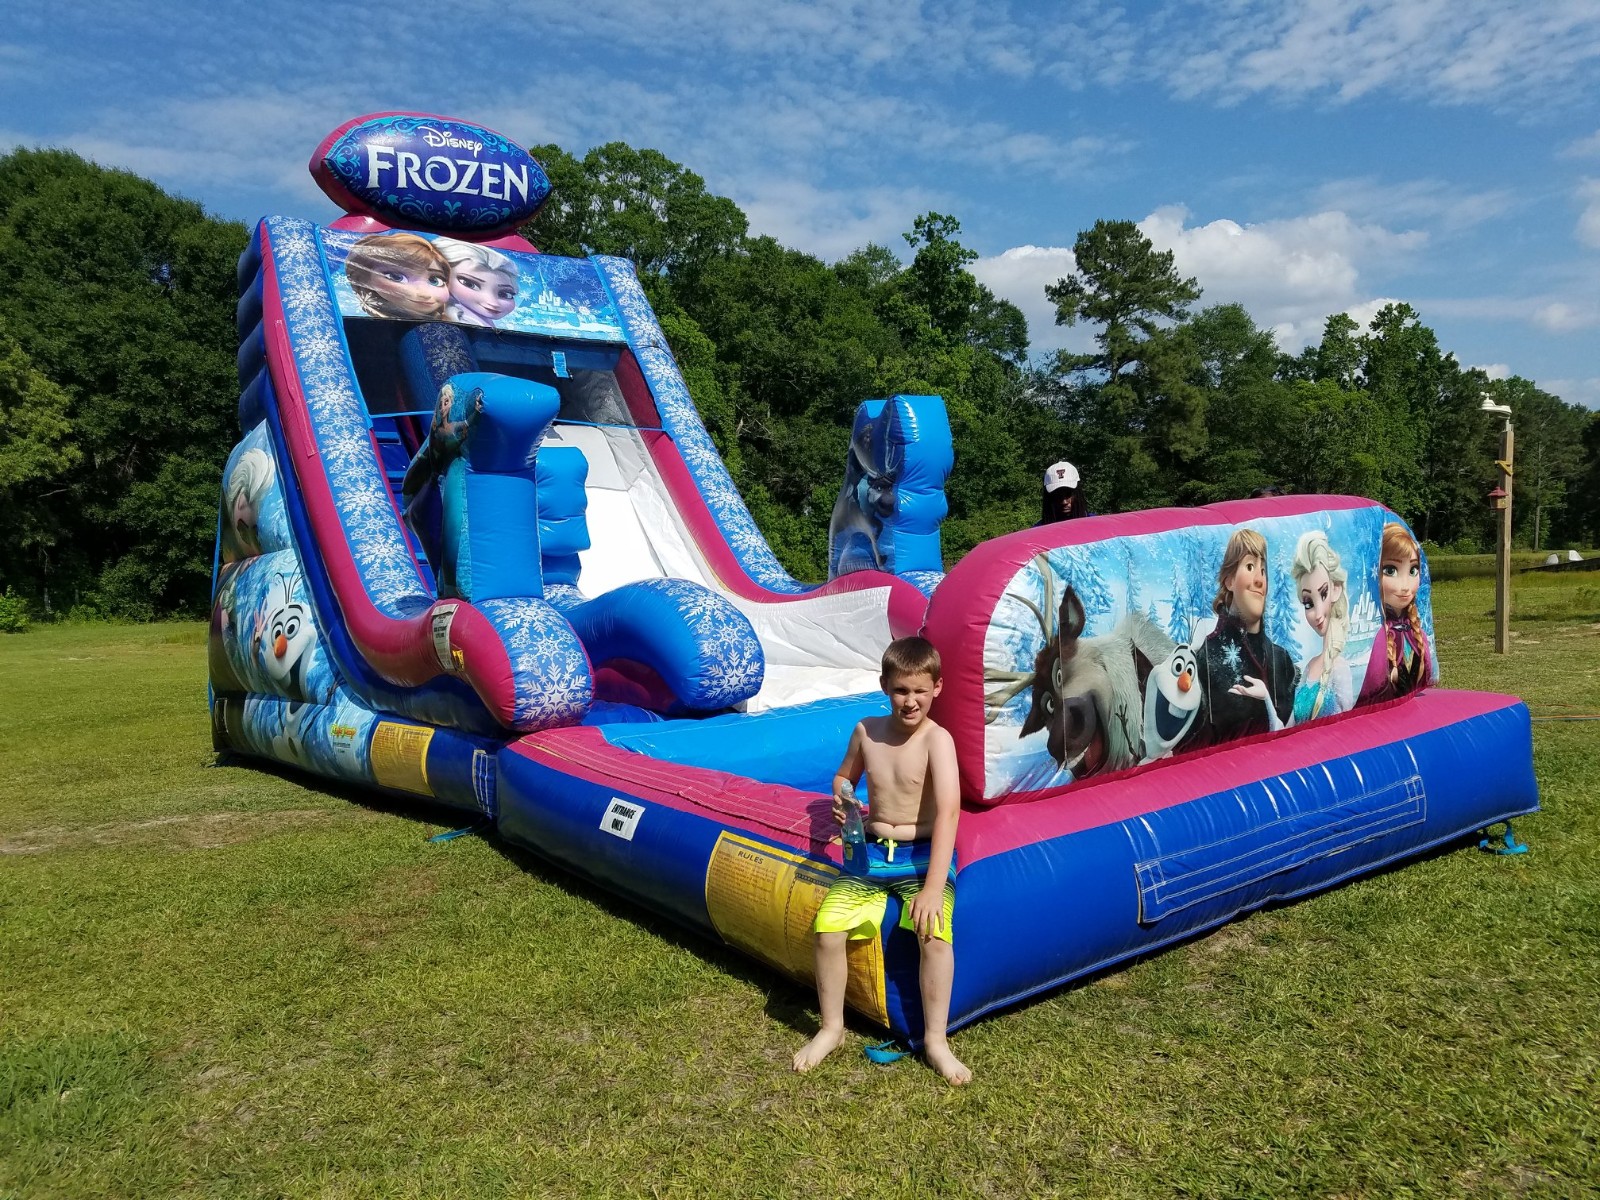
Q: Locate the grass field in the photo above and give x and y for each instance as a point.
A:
(222, 981)
(1465, 566)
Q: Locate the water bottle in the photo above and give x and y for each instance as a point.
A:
(854, 834)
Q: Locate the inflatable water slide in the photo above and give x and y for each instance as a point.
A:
(477, 546)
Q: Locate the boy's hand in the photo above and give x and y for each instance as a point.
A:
(927, 911)
(841, 799)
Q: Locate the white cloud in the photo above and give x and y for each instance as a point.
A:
(829, 90)
(1559, 316)
(1589, 220)
(831, 224)
(1297, 334)
(1364, 313)
(1493, 370)
(1584, 147)
(1441, 51)
(1449, 51)
(1575, 391)
(1447, 205)
(1290, 274)
(1562, 312)
(1020, 275)
(256, 140)
(812, 35)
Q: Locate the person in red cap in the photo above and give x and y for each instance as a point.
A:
(1061, 499)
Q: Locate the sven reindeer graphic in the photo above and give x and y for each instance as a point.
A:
(1087, 692)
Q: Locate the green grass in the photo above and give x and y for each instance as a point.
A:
(222, 981)
(1467, 566)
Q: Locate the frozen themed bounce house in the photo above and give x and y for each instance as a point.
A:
(476, 546)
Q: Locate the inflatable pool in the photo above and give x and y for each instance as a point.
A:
(477, 546)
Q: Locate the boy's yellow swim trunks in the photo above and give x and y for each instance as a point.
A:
(857, 906)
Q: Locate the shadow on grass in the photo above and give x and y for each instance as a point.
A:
(1562, 618)
(786, 1001)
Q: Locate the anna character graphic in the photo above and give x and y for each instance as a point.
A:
(1404, 662)
(399, 275)
(1246, 680)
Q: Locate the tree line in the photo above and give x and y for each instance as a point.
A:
(118, 390)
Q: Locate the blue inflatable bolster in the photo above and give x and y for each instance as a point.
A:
(253, 400)
(252, 353)
(798, 745)
(489, 495)
(250, 258)
(247, 312)
(701, 646)
(561, 474)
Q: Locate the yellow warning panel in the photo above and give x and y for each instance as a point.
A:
(400, 756)
(763, 900)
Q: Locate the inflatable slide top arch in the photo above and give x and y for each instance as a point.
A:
(477, 546)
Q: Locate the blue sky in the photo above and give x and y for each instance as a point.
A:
(1299, 158)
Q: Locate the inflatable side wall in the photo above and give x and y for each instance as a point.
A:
(1172, 632)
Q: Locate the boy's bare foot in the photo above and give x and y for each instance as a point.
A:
(941, 1060)
(818, 1048)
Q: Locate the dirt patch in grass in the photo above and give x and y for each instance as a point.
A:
(1242, 936)
(189, 831)
(414, 883)
(398, 902)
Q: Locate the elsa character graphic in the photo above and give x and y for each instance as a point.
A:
(453, 414)
(1320, 578)
(483, 282)
(248, 483)
(1405, 661)
(399, 275)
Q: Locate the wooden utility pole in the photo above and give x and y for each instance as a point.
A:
(1502, 580)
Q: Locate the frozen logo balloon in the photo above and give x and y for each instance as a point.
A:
(429, 172)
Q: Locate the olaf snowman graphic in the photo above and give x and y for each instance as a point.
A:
(287, 634)
(1171, 703)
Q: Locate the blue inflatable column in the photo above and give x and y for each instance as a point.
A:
(563, 512)
(889, 510)
(482, 449)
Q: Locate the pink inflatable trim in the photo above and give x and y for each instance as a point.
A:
(402, 651)
(780, 814)
(363, 224)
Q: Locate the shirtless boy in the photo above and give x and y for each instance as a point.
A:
(910, 765)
